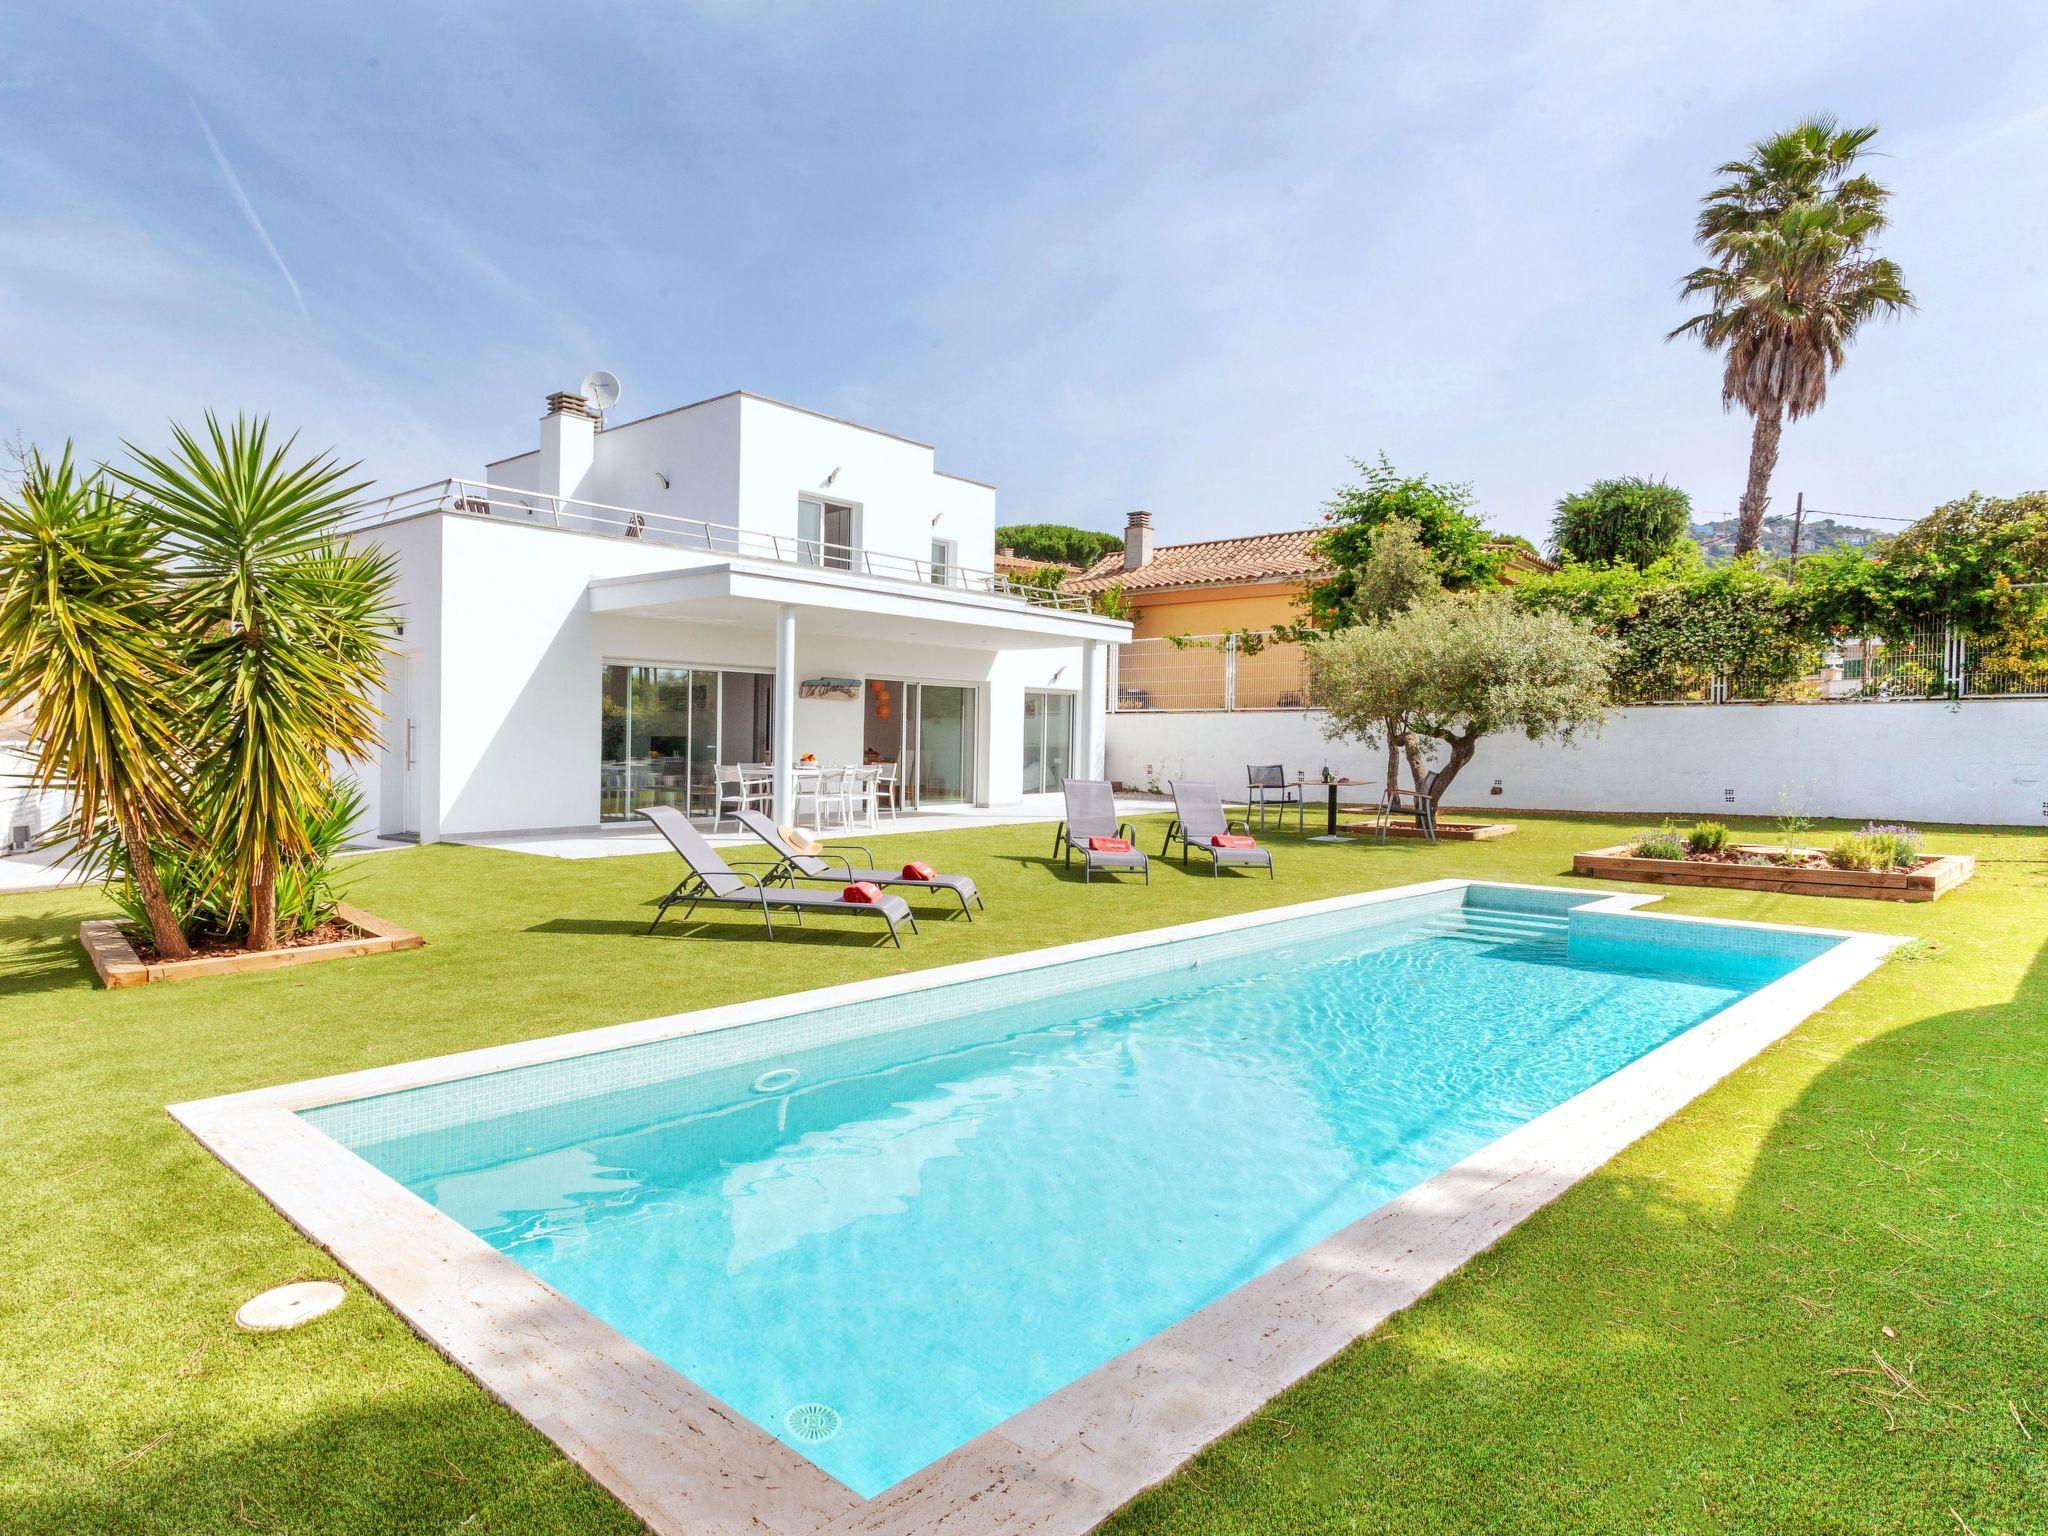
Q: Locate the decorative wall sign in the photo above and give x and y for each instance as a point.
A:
(829, 688)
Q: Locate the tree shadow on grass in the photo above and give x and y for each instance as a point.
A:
(1831, 1327)
(417, 1448)
(40, 952)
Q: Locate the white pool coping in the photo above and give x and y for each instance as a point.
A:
(683, 1461)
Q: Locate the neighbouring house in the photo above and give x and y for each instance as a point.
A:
(1010, 563)
(609, 618)
(1218, 587)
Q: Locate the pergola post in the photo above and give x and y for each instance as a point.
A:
(782, 744)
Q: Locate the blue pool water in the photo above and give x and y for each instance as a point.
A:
(876, 1243)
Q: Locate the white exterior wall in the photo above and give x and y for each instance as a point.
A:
(696, 450)
(743, 461)
(21, 806)
(505, 655)
(1983, 761)
(904, 502)
(507, 660)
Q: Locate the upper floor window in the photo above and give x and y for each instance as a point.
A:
(827, 533)
(945, 563)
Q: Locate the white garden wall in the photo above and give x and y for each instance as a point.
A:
(19, 805)
(1983, 761)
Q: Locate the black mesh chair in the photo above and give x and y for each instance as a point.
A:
(1267, 784)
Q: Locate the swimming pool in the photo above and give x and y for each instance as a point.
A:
(879, 1229)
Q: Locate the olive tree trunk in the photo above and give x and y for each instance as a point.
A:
(1463, 745)
(1756, 495)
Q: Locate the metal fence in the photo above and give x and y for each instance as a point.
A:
(1206, 672)
(1210, 672)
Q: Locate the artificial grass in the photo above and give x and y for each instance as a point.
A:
(1694, 1339)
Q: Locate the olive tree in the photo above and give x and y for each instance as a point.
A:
(1458, 669)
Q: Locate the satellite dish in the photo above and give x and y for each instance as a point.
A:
(601, 389)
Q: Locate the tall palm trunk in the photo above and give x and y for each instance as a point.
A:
(164, 931)
(1756, 495)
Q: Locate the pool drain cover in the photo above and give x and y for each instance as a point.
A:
(812, 1422)
(289, 1306)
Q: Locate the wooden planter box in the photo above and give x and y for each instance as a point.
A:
(1935, 873)
(1446, 831)
(114, 958)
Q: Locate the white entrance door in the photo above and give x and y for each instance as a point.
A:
(400, 813)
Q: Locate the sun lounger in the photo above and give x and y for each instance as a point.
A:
(1199, 821)
(712, 879)
(1091, 818)
(804, 864)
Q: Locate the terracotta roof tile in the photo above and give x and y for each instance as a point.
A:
(1008, 564)
(1287, 556)
(1213, 563)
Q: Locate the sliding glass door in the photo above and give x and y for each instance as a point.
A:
(928, 730)
(945, 745)
(1048, 740)
(664, 730)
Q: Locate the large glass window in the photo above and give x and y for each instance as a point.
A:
(665, 730)
(1048, 740)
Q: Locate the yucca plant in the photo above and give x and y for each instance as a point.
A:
(200, 891)
(83, 587)
(285, 630)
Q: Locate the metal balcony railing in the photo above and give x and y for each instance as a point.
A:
(475, 498)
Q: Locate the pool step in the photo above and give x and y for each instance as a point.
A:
(1488, 927)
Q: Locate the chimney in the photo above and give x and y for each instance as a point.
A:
(1137, 540)
(568, 447)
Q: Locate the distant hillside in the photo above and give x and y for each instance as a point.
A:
(1717, 540)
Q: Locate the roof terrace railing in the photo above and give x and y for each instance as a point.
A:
(475, 498)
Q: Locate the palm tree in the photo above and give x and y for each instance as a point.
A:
(82, 587)
(1791, 283)
(286, 628)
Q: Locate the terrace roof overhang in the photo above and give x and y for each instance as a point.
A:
(833, 602)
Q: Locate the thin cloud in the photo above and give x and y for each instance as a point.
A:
(248, 208)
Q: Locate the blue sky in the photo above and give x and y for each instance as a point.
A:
(1186, 257)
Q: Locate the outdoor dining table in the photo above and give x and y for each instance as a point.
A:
(1331, 835)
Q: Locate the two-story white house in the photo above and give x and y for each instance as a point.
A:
(606, 620)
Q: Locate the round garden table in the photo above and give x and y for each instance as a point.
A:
(1330, 835)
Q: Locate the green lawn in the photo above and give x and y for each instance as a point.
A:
(1816, 1301)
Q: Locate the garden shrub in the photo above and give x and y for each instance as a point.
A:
(1707, 837)
(1854, 851)
(1664, 843)
(1898, 846)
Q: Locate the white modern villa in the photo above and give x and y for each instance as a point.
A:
(606, 620)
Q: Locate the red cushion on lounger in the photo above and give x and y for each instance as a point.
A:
(1232, 840)
(917, 871)
(866, 892)
(1109, 845)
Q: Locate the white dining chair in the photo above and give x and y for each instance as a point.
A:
(888, 790)
(865, 795)
(823, 790)
(742, 788)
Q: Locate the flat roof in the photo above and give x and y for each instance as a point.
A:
(748, 394)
